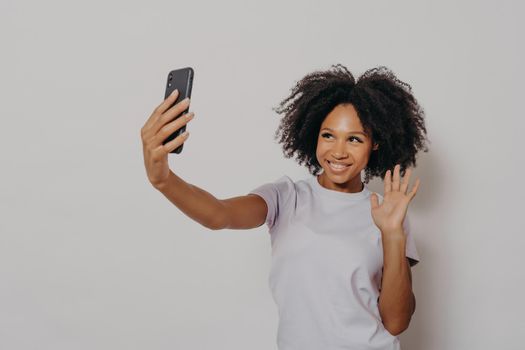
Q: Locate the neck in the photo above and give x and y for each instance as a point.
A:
(354, 185)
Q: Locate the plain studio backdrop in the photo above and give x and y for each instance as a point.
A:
(93, 257)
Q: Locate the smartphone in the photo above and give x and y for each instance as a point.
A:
(181, 79)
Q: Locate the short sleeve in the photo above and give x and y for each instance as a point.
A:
(277, 195)
(411, 250)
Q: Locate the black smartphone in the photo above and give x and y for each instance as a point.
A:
(181, 79)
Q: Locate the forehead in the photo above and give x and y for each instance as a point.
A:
(343, 118)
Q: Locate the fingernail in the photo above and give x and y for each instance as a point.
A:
(174, 91)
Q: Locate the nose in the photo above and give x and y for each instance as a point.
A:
(339, 150)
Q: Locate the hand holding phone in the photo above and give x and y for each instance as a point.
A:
(162, 123)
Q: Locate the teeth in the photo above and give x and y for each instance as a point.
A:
(337, 165)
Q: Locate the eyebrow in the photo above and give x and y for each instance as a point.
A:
(350, 132)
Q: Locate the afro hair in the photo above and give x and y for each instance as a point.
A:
(385, 105)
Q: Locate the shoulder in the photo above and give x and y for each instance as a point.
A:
(281, 188)
(285, 182)
(279, 195)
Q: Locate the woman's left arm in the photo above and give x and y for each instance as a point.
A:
(396, 301)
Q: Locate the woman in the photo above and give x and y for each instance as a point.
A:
(341, 260)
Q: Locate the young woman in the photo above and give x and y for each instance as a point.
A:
(341, 259)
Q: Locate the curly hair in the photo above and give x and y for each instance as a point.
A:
(385, 105)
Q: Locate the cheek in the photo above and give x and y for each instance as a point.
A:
(319, 153)
(365, 156)
(321, 148)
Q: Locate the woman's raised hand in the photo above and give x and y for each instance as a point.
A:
(389, 216)
(158, 127)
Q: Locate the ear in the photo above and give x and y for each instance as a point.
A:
(375, 148)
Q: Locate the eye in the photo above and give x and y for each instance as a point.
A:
(350, 138)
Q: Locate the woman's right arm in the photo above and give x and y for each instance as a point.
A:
(242, 212)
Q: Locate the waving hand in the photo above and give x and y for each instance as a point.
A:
(389, 216)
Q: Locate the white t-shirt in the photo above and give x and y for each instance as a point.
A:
(327, 261)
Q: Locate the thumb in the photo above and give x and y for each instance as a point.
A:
(374, 200)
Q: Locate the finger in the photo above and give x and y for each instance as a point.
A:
(157, 112)
(168, 102)
(406, 179)
(176, 142)
(395, 182)
(388, 181)
(170, 128)
(414, 189)
(172, 113)
(374, 201)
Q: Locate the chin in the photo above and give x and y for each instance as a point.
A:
(344, 178)
(338, 179)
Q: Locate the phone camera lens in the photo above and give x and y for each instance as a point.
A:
(171, 77)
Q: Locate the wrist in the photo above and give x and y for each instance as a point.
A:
(393, 235)
(161, 185)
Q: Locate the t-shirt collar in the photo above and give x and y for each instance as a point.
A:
(318, 188)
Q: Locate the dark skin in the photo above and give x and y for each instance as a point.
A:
(157, 128)
(343, 140)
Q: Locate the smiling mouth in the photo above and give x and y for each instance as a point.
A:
(337, 168)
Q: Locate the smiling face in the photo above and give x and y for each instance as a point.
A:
(342, 140)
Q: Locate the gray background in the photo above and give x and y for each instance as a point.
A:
(92, 257)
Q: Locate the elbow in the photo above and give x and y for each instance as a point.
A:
(395, 331)
(214, 226)
(217, 223)
(397, 328)
(219, 220)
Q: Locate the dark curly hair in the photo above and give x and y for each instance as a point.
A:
(385, 105)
